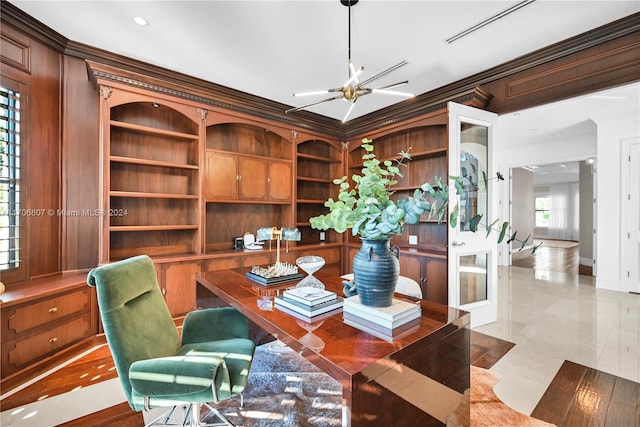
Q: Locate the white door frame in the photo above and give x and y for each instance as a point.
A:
(629, 194)
(463, 243)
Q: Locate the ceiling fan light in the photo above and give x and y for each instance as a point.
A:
(354, 76)
(351, 91)
(349, 111)
(317, 92)
(393, 92)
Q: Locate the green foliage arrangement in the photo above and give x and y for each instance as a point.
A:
(367, 207)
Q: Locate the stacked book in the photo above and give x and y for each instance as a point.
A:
(400, 319)
(308, 304)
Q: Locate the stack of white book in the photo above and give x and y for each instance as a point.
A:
(308, 303)
(400, 319)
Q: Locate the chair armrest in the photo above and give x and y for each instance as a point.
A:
(181, 376)
(213, 324)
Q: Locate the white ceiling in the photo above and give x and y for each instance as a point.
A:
(275, 48)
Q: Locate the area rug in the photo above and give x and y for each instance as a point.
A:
(486, 409)
(285, 390)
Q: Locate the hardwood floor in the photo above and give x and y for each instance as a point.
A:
(487, 350)
(551, 255)
(581, 396)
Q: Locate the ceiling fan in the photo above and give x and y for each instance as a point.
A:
(353, 88)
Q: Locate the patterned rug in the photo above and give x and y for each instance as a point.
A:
(285, 390)
(485, 409)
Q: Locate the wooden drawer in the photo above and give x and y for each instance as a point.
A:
(24, 351)
(30, 316)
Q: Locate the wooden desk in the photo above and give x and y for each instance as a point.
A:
(414, 381)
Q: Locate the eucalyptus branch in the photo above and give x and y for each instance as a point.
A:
(474, 222)
(365, 205)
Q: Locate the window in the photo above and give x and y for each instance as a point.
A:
(10, 203)
(542, 211)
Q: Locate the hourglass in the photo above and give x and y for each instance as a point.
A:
(310, 340)
(310, 264)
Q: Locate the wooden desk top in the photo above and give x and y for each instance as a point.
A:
(347, 351)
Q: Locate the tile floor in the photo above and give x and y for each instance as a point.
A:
(553, 316)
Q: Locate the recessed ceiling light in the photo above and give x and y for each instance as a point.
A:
(140, 20)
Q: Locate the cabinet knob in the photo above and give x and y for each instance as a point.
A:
(53, 309)
(52, 340)
(238, 177)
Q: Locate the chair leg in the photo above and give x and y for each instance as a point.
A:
(194, 411)
(191, 417)
(166, 415)
(217, 413)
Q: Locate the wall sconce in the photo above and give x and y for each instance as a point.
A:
(285, 233)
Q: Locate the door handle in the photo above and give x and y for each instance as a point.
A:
(457, 244)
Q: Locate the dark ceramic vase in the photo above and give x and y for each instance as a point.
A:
(376, 269)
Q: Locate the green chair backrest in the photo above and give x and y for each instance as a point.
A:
(136, 320)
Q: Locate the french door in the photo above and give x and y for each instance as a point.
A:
(472, 255)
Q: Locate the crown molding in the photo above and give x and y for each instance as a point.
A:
(26, 23)
(466, 90)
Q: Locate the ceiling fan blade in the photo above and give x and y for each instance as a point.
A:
(291, 110)
(391, 86)
(384, 72)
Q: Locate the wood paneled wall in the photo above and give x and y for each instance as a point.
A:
(39, 67)
(81, 160)
(63, 153)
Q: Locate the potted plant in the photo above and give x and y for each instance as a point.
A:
(368, 209)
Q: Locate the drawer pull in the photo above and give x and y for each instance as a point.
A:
(54, 339)
(53, 309)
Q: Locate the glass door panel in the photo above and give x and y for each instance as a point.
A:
(472, 255)
(473, 278)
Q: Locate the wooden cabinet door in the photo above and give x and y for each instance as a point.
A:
(411, 267)
(179, 287)
(253, 178)
(220, 176)
(280, 181)
(436, 284)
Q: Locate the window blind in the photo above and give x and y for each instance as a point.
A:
(11, 214)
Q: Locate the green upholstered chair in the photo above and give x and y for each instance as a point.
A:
(156, 366)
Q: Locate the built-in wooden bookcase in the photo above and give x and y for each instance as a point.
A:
(247, 182)
(318, 164)
(152, 152)
(427, 142)
(427, 146)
